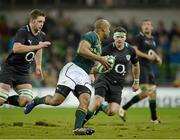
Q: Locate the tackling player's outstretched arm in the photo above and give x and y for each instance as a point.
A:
(136, 74)
(84, 50)
(38, 61)
(21, 48)
(158, 58)
(144, 55)
(136, 70)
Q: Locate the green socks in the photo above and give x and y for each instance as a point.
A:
(13, 100)
(80, 117)
(103, 107)
(39, 100)
(152, 106)
(134, 100)
(88, 116)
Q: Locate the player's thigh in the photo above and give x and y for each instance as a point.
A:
(72, 75)
(144, 75)
(114, 94)
(101, 88)
(5, 82)
(6, 74)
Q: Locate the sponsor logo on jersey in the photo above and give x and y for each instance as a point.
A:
(30, 42)
(128, 57)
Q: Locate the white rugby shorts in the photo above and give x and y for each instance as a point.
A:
(72, 75)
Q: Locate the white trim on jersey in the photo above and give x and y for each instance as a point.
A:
(28, 28)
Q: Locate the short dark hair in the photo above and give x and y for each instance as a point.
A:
(147, 19)
(120, 29)
(36, 13)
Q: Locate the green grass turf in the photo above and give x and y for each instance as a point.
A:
(57, 123)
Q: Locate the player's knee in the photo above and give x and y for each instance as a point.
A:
(112, 110)
(143, 95)
(148, 89)
(56, 101)
(97, 105)
(99, 99)
(2, 102)
(152, 96)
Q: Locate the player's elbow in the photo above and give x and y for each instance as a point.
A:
(17, 48)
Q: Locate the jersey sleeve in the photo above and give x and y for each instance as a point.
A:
(134, 57)
(87, 37)
(20, 36)
(137, 41)
(43, 36)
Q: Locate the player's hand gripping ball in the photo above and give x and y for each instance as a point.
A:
(101, 69)
(151, 53)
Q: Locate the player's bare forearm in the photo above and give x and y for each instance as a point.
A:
(136, 74)
(84, 50)
(136, 70)
(20, 48)
(38, 58)
(158, 58)
(93, 70)
(140, 53)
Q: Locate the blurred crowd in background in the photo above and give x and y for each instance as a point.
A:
(65, 38)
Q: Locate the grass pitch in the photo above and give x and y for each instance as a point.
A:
(57, 123)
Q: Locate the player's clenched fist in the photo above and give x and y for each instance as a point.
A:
(44, 44)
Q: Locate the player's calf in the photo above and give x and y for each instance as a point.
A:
(23, 100)
(3, 96)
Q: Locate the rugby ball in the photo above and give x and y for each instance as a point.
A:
(101, 69)
(152, 53)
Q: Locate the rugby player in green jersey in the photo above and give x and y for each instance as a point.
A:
(74, 76)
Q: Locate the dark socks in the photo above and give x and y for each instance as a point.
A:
(88, 116)
(38, 100)
(13, 100)
(152, 106)
(134, 100)
(80, 116)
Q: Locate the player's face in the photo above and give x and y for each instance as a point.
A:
(38, 23)
(106, 32)
(147, 27)
(119, 39)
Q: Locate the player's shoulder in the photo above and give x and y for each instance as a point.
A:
(90, 33)
(129, 47)
(24, 29)
(43, 34)
(91, 37)
(140, 35)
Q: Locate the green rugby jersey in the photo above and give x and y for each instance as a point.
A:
(84, 63)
